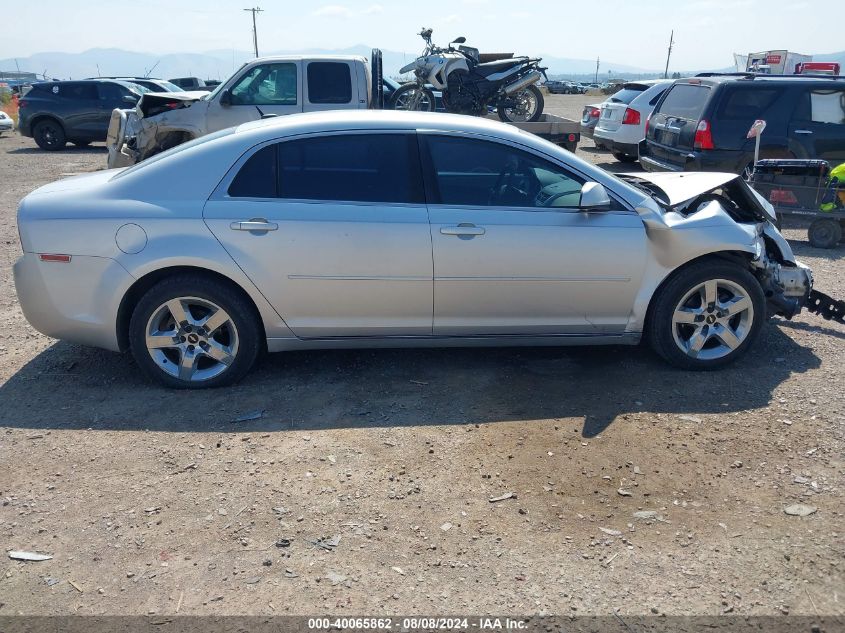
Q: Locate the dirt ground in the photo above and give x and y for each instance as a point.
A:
(155, 501)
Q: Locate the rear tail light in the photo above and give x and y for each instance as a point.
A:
(703, 136)
(631, 117)
(647, 123)
(22, 103)
(595, 113)
(782, 196)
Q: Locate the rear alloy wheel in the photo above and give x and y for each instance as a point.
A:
(193, 333)
(49, 135)
(707, 315)
(824, 233)
(528, 106)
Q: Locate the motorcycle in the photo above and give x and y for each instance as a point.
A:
(469, 86)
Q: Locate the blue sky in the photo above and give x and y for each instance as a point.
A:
(633, 32)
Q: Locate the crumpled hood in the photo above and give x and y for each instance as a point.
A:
(153, 103)
(680, 187)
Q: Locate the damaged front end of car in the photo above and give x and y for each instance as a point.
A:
(157, 123)
(721, 204)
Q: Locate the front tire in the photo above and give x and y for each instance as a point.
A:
(706, 315)
(194, 332)
(530, 107)
(49, 135)
(413, 97)
(824, 233)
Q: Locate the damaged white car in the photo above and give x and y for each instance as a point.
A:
(396, 229)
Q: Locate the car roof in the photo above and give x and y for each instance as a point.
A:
(751, 79)
(296, 58)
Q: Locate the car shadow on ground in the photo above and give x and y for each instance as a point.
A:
(72, 387)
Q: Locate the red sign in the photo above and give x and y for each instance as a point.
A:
(773, 59)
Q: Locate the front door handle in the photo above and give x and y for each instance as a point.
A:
(254, 225)
(803, 131)
(462, 230)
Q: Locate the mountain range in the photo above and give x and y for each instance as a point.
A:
(219, 64)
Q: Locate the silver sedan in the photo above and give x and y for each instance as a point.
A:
(359, 229)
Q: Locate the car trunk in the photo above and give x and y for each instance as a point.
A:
(613, 110)
(673, 125)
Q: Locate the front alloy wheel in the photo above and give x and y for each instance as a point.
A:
(706, 315)
(712, 320)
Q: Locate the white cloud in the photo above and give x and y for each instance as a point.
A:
(451, 19)
(333, 11)
(374, 9)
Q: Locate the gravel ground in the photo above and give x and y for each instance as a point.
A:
(154, 501)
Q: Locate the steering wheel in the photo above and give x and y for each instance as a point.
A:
(550, 200)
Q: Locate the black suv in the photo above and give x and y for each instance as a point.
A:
(77, 111)
(701, 123)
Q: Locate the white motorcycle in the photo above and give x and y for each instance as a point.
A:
(469, 86)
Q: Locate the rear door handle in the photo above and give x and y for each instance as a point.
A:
(462, 230)
(254, 225)
(803, 131)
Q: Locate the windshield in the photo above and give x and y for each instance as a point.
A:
(138, 88)
(170, 87)
(219, 87)
(173, 151)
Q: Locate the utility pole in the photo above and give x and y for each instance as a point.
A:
(255, 10)
(669, 54)
(597, 71)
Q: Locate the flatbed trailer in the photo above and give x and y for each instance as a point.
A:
(563, 132)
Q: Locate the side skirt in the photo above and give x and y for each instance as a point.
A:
(561, 340)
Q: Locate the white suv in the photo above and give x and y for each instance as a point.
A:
(621, 124)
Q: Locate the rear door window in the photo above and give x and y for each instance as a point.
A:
(685, 101)
(76, 91)
(257, 176)
(377, 168)
(329, 82)
(746, 103)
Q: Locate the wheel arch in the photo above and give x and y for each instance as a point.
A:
(741, 258)
(137, 290)
(38, 118)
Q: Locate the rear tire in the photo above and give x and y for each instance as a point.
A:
(535, 94)
(195, 332)
(624, 158)
(706, 315)
(49, 135)
(824, 233)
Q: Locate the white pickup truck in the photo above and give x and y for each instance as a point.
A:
(267, 86)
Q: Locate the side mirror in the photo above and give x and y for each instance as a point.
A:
(459, 40)
(594, 197)
(226, 98)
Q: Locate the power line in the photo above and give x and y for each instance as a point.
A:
(255, 10)
(669, 54)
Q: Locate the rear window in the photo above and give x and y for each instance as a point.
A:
(685, 101)
(329, 82)
(627, 94)
(746, 103)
